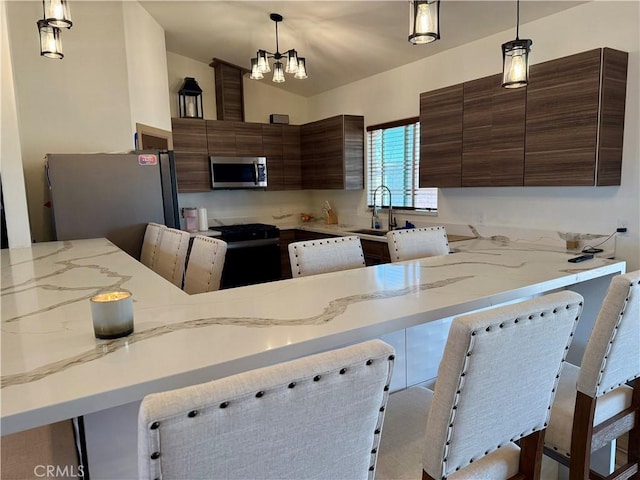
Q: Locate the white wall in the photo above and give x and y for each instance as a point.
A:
(13, 188)
(147, 68)
(76, 105)
(395, 94)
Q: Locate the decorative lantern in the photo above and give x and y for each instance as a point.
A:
(190, 99)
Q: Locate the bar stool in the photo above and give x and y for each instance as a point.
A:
(600, 400)
(496, 384)
(327, 255)
(204, 267)
(171, 255)
(152, 236)
(412, 243)
(317, 417)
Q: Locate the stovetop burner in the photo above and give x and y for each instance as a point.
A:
(247, 231)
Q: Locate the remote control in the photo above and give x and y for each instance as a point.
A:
(581, 258)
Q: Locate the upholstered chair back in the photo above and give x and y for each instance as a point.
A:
(326, 255)
(204, 267)
(497, 379)
(150, 243)
(412, 243)
(171, 255)
(612, 356)
(317, 417)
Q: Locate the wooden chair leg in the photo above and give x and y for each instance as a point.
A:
(531, 449)
(581, 434)
(633, 449)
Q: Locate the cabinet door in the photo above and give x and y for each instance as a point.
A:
(292, 156)
(190, 153)
(248, 139)
(353, 152)
(441, 137)
(272, 149)
(221, 138)
(493, 134)
(330, 161)
(310, 139)
(562, 121)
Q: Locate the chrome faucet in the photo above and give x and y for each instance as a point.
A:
(392, 222)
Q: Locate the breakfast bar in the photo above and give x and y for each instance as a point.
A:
(53, 367)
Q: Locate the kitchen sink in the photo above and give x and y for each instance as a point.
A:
(369, 231)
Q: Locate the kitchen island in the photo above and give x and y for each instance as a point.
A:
(53, 368)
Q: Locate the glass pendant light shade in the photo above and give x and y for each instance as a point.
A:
(256, 74)
(263, 62)
(50, 43)
(278, 72)
(515, 58)
(292, 62)
(301, 74)
(424, 23)
(56, 13)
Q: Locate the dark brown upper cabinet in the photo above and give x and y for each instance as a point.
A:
(575, 120)
(191, 154)
(564, 129)
(493, 134)
(229, 90)
(333, 153)
(441, 137)
(273, 150)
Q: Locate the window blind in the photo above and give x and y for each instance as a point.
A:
(393, 158)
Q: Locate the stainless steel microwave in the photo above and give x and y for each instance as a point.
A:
(238, 172)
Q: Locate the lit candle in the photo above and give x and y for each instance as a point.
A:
(112, 314)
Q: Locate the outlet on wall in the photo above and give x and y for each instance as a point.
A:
(622, 224)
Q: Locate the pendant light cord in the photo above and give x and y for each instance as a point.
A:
(517, 20)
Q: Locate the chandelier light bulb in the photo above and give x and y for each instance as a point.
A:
(301, 74)
(278, 72)
(56, 13)
(424, 21)
(292, 62)
(256, 74)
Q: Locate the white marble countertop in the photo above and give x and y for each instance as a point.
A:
(54, 368)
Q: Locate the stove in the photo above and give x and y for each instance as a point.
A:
(253, 254)
(247, 231)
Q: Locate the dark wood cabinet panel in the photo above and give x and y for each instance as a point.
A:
(189, 135)
(248, 139)
(333, 153)
(221, 138)
(192, 172)
(190, 153)
(493, 134)
(441, 137)
(574, 104)
(229, 91)
(292, 157)
(286, 237)
(273, 149)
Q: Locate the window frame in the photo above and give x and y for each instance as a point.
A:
(384, 126)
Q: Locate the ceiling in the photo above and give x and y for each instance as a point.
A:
(343, 41)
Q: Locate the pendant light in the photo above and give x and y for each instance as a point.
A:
(50, 44)
(56, 13)
(424, 21)
(515, 58)
(55, 16)
(287, 62)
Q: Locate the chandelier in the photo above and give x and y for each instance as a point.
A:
(292, 63)
(424, 22)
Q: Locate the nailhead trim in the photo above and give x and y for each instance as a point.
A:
(155, 455)
(192, 413)
(154, 425)
(224, 404)
(260, 394)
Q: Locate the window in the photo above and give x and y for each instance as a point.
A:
(394, 157)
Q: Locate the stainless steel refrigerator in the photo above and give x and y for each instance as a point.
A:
(112, 195)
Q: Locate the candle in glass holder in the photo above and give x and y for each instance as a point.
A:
(112, 314)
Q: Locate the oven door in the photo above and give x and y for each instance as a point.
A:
(232, 172)
(250, 262)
